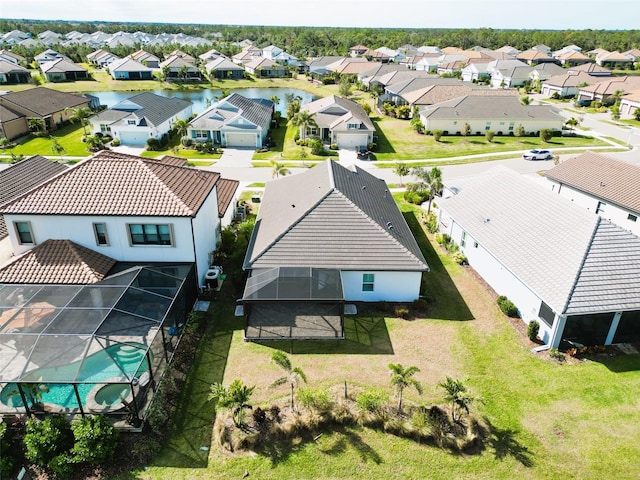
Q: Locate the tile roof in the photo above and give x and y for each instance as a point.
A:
(571, 79)
(349, 109)
(561, 251)
(601, 176)
(58, 262)
(226, 190)
(43, 101)
(612, 85)
(489, 106)
(112, 183)
(128, 64)
(332, 217)
(8, 67)
(219, 115)
(22, 177)
(171, 160)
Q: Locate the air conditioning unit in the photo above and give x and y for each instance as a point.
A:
(241, 213)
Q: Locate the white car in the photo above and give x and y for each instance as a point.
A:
(538, 155)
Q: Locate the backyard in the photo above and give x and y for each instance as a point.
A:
(546, 419)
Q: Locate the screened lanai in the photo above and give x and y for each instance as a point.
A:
(99, 348)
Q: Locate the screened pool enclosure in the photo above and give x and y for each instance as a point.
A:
(88, 349)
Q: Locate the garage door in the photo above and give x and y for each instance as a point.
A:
(133, 138)
(352, 141)
(241, 140)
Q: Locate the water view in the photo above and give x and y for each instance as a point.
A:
(199, 98)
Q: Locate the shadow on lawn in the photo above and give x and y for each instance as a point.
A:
(383, 144)
(504, 444)
(437, 285)
(192, 422)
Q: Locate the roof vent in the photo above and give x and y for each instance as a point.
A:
(486, 220)
(293, 205)
(390, 225)
(602, 184)
(364, 187)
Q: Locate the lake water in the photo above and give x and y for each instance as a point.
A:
(199, 97)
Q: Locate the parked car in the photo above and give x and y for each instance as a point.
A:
(538, 155)
(363, 153)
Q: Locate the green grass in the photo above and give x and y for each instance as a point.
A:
(69, 136)
(547, 420)
(286, 148)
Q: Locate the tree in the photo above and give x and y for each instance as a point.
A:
(636, 114)
(304, 120)
(236, 398)
(275, 100)
(293, 106)
(466, 130)
(401, 170)
(278, 169)
(344, 89)
(181, 126)
(183, 72)
(293, 374)
(456, 393)
(429, 183)
(402, 378)
(571, 123)
(403, 111)
(36, 124)
(57, 148)
(489, 134)
(525, 100)
(80, 114)
(546, 134)
(437, 135)
(519, 131)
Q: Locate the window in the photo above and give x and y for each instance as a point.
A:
(463, 240)
(201, 133)
(25, 235)
(511, 125)
(104, 128)
(546, 314)
(487, 126)
(131, 122)
(150, 234)
(367, 282)
(600, 207)
(632, 218)
(100, 231)
(353, 126)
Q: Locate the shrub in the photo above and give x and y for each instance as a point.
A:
(532, 330)
(153, 144)
(507, 306)
(115, 142)
(431, 223)
(437, 135)
(259, 417)
(459, 257)
(443, 238)
(314, 399)
(316, 146)
(96, 440)
(417, 198)
(334, 146)
(546, 134)
(7, 460)
(46, 439)
(557, 355)
(489, 134)
(402, 312)
(372, 400)
(62, 465)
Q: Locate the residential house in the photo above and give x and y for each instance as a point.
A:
(48, 55)
(339, 121)
(535, 57)
(430, 49)
(178, 68)
(101, 58)
(323, 237)
(234, 121)
(63, 70)
(475, 72)
(185, 56)
(146, 58)
(615, 60)
(177, 219)
(211, 55)
(567, 85)
(222, 68)
(500, 114)
(606, 91)
(633, 55)
(11, 57)
(271, 52)
(427, 64)
(12, 123)
(319, 67)
(439, 93)
(630, 104)
(393, 55)
(603, 185)
(411, 61)
(509, 50)
(52, 106)
(575, 273)
(402, 85)
(572, 59)
(17, 180)
(358, 51)
(544, 71)
(510, 77)
(350, 66)
(129, 69)
(597, 52)
(263, 67)
(14, 36)
(140, 117)
(12, 73)
(592, 69)
(369, 78)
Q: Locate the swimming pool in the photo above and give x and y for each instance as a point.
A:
(121, 361)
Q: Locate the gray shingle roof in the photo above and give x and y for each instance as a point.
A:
(553, 246)
(489, 106)
(43, 101)
(257, 112)
(602, 177)
(332, 217)
(156, 109)
(348, 110)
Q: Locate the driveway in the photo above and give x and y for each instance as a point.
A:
(235, 157)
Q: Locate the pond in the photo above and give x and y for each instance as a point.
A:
(199, 97)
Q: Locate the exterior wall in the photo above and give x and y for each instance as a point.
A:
(14, 128)
(616, 214)
(628, 107)
(79, 229)
(497, 125)
(150, 131)
(388, 286)
(205, 234)
(6, 250)
(502, 280)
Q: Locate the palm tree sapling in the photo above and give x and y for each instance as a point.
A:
(402, 378)
(293, 374)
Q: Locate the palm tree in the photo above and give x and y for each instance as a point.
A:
(430, 182)
(36, 124)
(181, 126)
(456, 393)
(275, 100)
(293, 374)
(304, 120)
(401, 170)
(57, 148)
(571, 123)
(80, 114)
(278, 169)
(402, 378)
(236, 398)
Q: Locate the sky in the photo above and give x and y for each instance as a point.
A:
(497, 14)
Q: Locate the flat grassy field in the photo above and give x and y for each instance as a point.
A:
(546, 420)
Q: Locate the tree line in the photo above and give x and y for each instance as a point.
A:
(315, 41)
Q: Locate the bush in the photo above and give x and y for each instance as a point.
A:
(489, 134)
(546, 134)
(115, 142)
(314, 399)
(459, 257)
(46, 439)
(437, 135)
(417, 198)
(532, 330)
(316, 146)
(402, 312)
(7, 460)
(557, 355)
(507, 306)
(372, 400)
(96, 440)
(431, 223)
(153, 144)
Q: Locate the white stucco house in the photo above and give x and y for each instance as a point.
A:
(337, 232)
(500, 113)
(576, 273)
(128, 208)
(234, 121)
(601, 184)
(140, 117)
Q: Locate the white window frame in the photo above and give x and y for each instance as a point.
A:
(97, 234)
(30, 230)
(368, 285)
(353, 126)
(146, 245)
(600, 208)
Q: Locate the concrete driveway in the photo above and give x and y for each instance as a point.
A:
(236, 157)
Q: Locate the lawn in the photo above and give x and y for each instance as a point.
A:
(69, 136)
(398, 141)
(547, 420)
(286, 149)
